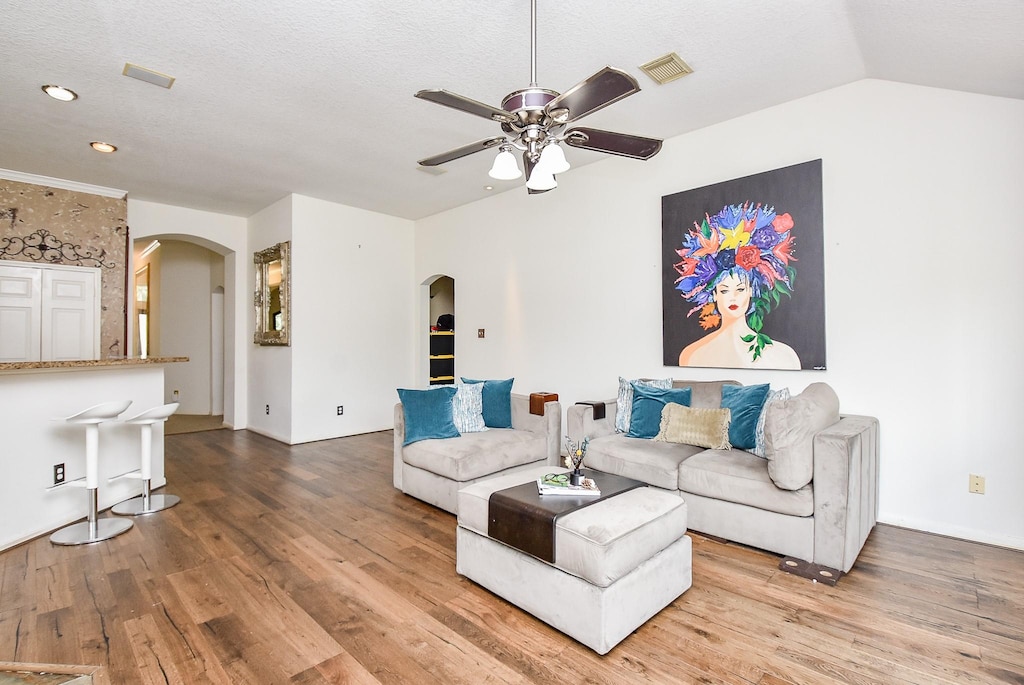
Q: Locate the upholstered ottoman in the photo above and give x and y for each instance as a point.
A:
(618, 561)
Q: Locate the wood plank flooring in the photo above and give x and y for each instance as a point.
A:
(304, 565)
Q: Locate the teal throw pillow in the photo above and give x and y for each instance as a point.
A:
(497, 397)
(744, 402)
(428, 414)
(648, 402)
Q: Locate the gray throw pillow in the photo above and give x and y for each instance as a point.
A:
(789, 429)
(624, 403)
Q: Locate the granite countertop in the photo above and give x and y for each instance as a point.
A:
(89, 363)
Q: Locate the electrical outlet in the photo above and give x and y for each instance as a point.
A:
(268, 410)
(58, 474)
(976, 485)
(341, 410)
(479, 332)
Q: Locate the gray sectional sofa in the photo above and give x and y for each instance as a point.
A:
(814, 497)
(434, 470)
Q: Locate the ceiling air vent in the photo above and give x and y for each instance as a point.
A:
(667, 68)
(147, 75)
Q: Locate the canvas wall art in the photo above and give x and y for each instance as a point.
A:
(743, 272)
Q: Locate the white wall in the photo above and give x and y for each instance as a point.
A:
(920, 187)
(270, 367)
(353, 318)
(226, 235)
(187, 282)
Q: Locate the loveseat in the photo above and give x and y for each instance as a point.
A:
(812, 497)
(434, 470)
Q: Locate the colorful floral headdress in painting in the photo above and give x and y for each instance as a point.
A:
(750, 242)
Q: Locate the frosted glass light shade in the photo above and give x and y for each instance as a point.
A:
(541, 181)
(552, 160)
(505, 167)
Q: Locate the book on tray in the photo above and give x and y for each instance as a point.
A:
(558, 484)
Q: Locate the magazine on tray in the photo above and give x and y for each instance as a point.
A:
(558, 484)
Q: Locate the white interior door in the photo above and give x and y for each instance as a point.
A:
(70, 314)
(19, 313)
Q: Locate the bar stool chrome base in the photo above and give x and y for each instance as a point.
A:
(92, 529)
(86, 532)
(146, 504)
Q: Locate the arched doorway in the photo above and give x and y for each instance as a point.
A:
(441, 315)
(180, 311)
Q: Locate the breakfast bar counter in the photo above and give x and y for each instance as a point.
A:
(34, 398)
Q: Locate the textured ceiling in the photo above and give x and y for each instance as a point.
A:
(315, 96)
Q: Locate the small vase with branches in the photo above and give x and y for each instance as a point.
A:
(576, 453)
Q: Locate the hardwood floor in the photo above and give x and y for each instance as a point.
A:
(304, 565)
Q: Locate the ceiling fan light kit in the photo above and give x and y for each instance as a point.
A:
(533, 121)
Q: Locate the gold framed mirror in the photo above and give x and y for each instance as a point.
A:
(273, 295)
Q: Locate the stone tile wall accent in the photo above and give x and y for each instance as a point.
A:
(50, 225)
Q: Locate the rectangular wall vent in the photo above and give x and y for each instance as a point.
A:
(147, 75)
(667, 68)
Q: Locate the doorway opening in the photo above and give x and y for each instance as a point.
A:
(441, 307)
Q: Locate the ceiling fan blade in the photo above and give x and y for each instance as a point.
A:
(464, 104)
(600, 90)
(622, 144)
(458, 152)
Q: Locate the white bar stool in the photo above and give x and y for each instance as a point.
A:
(147, 503)
(92, 529)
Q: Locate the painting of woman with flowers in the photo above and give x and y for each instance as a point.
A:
(737, 264)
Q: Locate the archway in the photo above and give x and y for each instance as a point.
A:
(439, 311)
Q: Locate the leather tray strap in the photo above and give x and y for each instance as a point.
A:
(520, 517)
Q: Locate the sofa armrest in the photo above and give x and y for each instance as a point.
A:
(549, 425)
(399, 439)
(845, 489)
(580, 421)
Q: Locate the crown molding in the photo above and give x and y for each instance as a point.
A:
(62, 184)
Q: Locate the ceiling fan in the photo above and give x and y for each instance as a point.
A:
(534, 120)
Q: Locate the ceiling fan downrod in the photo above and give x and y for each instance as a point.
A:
(533, 43)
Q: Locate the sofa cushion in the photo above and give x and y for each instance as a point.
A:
(475, 455)
(647, 405)
(655, 463)
(701, 427)
(745, 402)
(624, 403)
(428, 413)
(497, 398)
(740, 477)
(789, 430)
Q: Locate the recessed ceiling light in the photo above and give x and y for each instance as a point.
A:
(60, 93)
(488, 187)
(102, 147)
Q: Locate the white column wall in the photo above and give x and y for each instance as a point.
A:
(270, 367)
(353, 318)
(923, 320)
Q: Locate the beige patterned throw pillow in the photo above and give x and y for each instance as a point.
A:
(694, 426)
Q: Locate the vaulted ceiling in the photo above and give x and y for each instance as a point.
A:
(316, 96)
